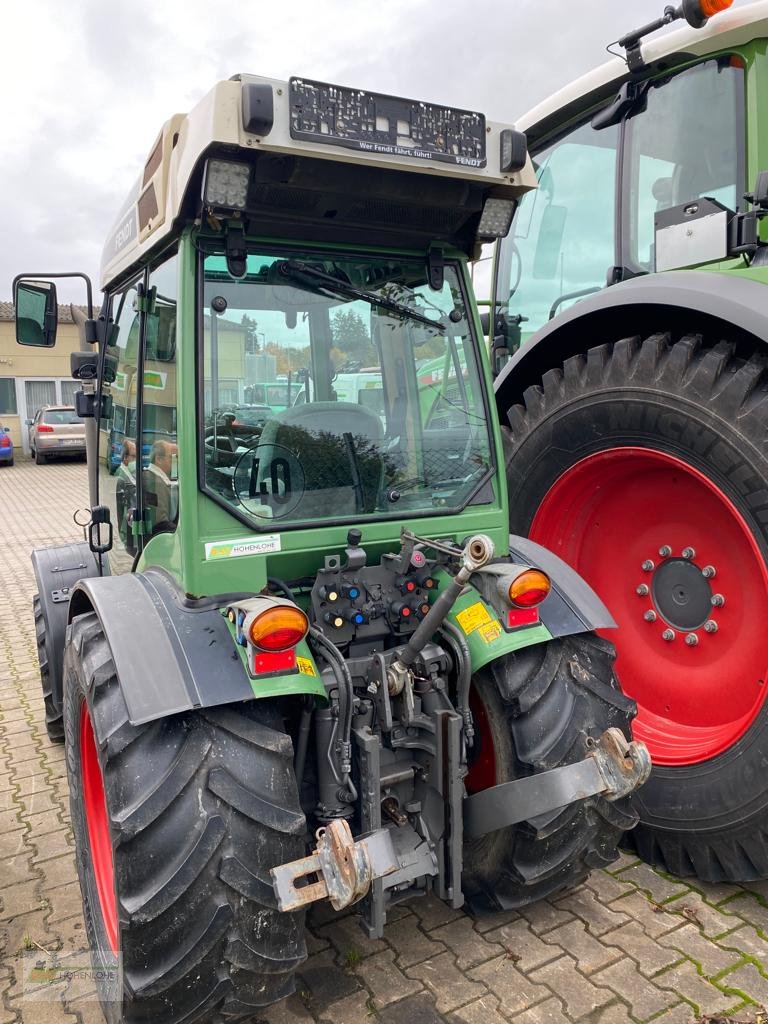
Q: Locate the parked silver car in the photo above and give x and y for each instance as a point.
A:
(56, 430)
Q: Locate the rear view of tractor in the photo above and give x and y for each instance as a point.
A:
(299, 657)
(631, 296)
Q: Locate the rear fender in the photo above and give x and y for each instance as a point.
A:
(57, 570)
(173, 654)
(715, 304)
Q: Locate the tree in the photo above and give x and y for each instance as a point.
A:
(351, 336)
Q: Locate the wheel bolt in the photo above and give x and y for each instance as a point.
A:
(689, 552)
(650, 616)
(691, 639)
(647, 565)
(710, 626)
(642, 590)
(668, 634)
(665, 551)
(709, 572)
(718, 600)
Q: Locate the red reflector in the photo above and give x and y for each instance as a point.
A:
(5, 441)
(405, 612)
(43, 428)
(274, 661)
(517, 617)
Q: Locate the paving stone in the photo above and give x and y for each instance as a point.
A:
(14, 932)
(650, 916)
(650, 881)
(40, 800)
(486, 1010)
(589, 953)
(607, 887)
(289, 1011)
(10, 820)
(686, 982)
(418, 1009)
(19, 899)
(750, 981)
(56, 843)
(65, 901)
(349, 939)
(353, 1009)
(43, 823)
(548, 1012)
(649, 955)
(488, 922)
(324, 982)
(527, 949)
(432, 912)
(384, 978)
(59, 871)
(711, 920)
(515, 991)
(585, 905)
(579, 995)
(689, 941)
(615, 1013)
(450, 986)
(680, 1014)
(409, 942)
(544, 916)
(746, 940)
(642, 995)
(16, 870)
(469, 947)
(747, 907)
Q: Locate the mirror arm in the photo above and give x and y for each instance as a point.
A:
(45, 277)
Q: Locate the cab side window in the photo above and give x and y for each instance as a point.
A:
(159, 408)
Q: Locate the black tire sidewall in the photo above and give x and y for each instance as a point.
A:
(109, 982)
(726, 792)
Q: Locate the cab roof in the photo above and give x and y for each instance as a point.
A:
(371, 189)
(734, 27)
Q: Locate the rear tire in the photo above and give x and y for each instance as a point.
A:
(195, 810)
(40, 459)
(54, 719)
(628, 449)
(535, 710)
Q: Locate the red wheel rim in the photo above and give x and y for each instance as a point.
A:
(482, 760)
(613, 514)
(98, 827)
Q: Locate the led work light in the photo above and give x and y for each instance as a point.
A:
(496, 218)
(226, 184)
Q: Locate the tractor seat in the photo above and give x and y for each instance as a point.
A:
(337, 446)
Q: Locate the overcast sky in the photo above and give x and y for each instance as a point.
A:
(85, 85)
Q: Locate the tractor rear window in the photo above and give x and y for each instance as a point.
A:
(375, 404)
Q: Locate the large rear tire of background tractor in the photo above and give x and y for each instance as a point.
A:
(176, 825)
(535, 710)
(54, 720)
(644, 464)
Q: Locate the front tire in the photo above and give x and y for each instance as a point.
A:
(644, 464)
(54, 719)
(177, 823)
(536, 710)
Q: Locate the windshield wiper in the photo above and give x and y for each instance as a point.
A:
(333, 285)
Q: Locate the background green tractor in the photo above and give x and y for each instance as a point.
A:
(298, 656)
(635, 408)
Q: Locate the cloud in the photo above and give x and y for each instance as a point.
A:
(85, 86)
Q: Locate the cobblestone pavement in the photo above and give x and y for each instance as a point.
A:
(630, 945)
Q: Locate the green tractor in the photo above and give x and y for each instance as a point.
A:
(302, 659)
(630, 296)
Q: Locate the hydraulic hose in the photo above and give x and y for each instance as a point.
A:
(460, 649)
(338, 666)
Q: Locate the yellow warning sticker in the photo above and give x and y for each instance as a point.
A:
(473, 617)
(490, 631)
(306, 667)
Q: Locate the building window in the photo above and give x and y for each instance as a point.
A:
(8, 396)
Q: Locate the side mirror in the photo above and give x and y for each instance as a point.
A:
(37, 313)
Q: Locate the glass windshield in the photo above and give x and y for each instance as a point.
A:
(374, 396)
(61, 417)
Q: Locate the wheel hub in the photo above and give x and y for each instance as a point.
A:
(681, 594)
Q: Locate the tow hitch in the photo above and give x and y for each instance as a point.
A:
(342, 868)
(614, 768)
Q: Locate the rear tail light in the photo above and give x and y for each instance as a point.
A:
(529, 588)
(43, 428)
(278, 628)
(5, 441)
